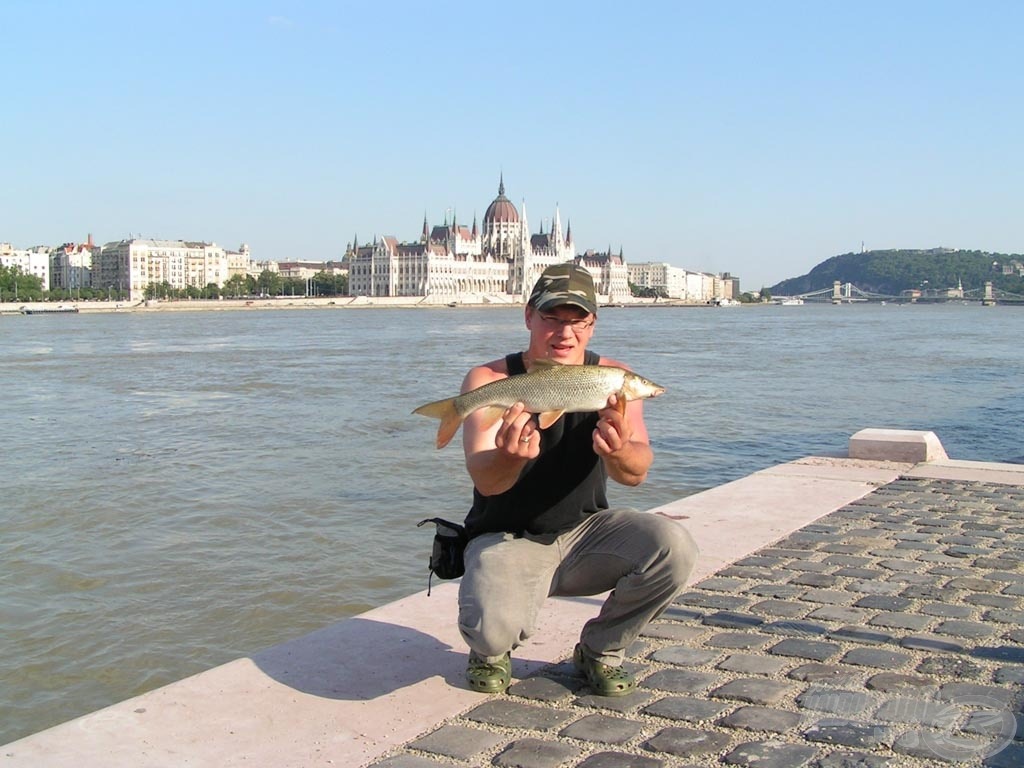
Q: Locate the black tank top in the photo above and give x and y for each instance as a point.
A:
(555, 491)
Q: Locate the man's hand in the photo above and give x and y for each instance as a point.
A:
(625, 449)
(517, 435)
(612, 431)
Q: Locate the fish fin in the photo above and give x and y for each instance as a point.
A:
(436, 410)
(546, 419)
(542, 362)
(450, 419)
(489, 416)
(446, 431)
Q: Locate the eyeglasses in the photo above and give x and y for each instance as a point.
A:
(578, 324)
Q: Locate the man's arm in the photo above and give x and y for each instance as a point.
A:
(496, 454)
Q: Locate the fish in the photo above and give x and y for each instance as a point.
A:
(547, 389)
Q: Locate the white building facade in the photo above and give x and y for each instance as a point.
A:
(239, 262)
(33, 261)
(683, 284)
(71, 265)
(659, 276)
(452, 260)
(130, 266)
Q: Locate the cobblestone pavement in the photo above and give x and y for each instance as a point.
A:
(888, 633)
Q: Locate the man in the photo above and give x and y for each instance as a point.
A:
(540, 523)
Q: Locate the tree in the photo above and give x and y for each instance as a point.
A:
(293, 286)
(235, 286)
(645, 292)
(16, 285)
(269, 283)
(324, 283)
(159, 291)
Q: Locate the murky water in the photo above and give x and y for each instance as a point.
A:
(180, 489)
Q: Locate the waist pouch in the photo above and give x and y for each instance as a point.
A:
(450, 541)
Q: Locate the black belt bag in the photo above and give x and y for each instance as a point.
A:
(449, 545)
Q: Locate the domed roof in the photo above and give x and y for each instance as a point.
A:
(501, 210)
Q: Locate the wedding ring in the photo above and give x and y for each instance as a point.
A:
(524, 439)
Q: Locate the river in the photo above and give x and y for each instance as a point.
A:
(183, 488)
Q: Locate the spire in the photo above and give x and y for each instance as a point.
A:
(568, 231)
(426, 233)
(524, 230)
(474, 224)
(501, 184)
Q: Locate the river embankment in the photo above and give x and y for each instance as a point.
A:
(844, 610)
(476, 301)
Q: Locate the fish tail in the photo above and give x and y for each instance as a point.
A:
(450, 419)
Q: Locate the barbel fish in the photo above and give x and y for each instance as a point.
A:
(548, 390)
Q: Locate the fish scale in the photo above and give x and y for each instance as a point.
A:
(548, 389)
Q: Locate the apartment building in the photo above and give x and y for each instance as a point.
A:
(130, 266)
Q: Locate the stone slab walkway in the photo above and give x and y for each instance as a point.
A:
(845, 612)
(887, 633)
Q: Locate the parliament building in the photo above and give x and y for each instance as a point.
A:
(453, 261)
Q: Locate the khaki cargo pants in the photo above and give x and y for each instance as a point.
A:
(643, 558)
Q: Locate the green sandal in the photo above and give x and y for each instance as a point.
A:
(603, 680)
(487, 676)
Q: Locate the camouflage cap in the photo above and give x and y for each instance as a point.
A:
(564, 284)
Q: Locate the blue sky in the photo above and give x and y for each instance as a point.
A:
(754, 138)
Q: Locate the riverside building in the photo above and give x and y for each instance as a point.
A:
(683, 284)
(130, 266)
(32, 261)
(453, 261)
(71, 265)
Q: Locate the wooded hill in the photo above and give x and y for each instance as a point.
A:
(891, 272)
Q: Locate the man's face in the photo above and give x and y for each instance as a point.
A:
(560, 333)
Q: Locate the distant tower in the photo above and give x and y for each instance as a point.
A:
(556, 231)
(501, 226)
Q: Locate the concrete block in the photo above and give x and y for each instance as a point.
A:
(902, 445)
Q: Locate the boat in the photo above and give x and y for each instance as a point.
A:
(725, 303)
(791, 302)
(59, 309)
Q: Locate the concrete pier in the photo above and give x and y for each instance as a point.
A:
(844, 611)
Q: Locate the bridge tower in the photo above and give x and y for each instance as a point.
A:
(837, 293)
(988, 300)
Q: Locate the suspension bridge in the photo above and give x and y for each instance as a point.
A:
(848, 293)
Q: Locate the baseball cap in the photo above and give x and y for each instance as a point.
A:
(562, 284)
